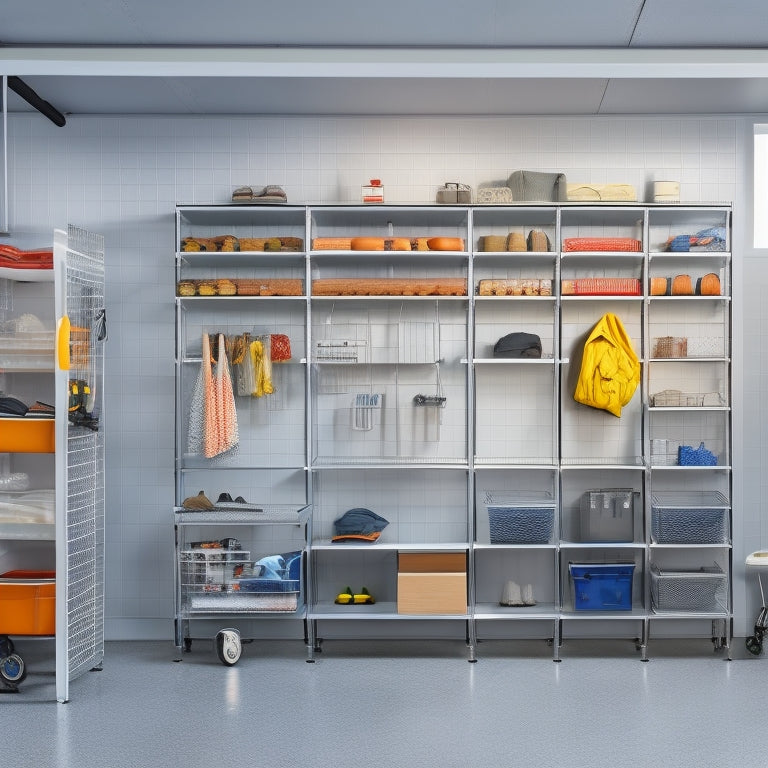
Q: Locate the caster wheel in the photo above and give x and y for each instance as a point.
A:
(13, 669)
(754, 646)
(228, 646)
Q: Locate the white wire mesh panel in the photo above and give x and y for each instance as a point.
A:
(85, 452)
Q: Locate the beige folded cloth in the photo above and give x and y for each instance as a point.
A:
(494, 195)
(601, 192)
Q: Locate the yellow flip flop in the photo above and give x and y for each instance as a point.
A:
(364, 597)
(344, 598)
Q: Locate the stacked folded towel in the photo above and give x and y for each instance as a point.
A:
(272, 193)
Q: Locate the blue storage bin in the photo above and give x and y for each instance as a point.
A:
(602, 586)
(288, 577)
(268, 585)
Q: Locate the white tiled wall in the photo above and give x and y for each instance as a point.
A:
(121, 177)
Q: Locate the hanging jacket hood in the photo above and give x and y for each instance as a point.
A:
(610, 369)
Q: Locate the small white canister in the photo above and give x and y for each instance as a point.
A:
(666, 191)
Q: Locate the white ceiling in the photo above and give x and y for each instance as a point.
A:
(401, 57)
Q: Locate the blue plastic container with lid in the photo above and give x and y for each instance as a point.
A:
(602, 586)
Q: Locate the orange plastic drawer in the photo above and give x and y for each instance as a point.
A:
(27, 435)
(27, 603)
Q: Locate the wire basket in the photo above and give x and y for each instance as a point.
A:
(674, 398)
(700, 591)
(670, 346)
(689, 517)
(520, 517)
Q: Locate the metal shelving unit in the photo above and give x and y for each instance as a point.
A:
(500, 425)
(218, 551)
(66, 466)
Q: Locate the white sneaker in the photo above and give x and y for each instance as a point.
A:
(528, 598)
(511, 595)
(228, 646)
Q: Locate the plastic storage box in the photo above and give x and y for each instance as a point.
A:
(28, 603)
(27, 435)
(698, 591)
(272, 595)
(608, 514)
(27, 351)
(520, 517)
(689, 517)
(602, 586)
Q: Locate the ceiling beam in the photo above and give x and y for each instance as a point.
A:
(309, 62)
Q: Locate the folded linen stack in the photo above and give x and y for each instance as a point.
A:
(601, 193)
(272, 193)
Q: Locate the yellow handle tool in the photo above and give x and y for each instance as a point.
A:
(62, 343)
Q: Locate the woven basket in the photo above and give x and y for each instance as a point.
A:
(538, 241)
(494, 243)
(516, 242)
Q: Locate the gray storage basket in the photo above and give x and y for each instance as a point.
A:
(690, 517)
(700, 591)
(608, 515)
(520, 517)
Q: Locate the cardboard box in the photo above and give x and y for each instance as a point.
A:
(432, 562)
(432, 593)
(432, 583)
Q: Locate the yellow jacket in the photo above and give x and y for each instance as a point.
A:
(610, 370)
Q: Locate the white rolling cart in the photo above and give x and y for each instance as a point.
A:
(758, 561)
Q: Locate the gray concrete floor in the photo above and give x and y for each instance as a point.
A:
(387, 704)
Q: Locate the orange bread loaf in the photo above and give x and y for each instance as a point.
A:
(389, 286)
(445, 244)
(381, 244)
(709, 285)
(682, 285)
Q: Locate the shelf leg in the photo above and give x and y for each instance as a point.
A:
(556, 639)
(310, 639)
(644, 641)
(471, 640)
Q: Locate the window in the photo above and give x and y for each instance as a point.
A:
(761, 186)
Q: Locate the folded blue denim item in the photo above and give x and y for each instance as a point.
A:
(359, 521)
